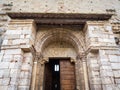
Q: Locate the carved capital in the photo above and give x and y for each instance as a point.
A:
(73, 60)
(43, 61)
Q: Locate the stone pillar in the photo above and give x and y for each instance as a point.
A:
(85, 72)
(40, 73)
(34, 72)
(16, 56)
(102, 56)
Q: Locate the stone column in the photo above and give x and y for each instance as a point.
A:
(85, 72)
(34, 72)
(40, 73)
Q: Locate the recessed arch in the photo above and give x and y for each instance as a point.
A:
(61, 36)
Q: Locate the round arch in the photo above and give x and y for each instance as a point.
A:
(59, 35)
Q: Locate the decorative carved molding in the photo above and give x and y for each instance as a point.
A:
(44, 60)
(73, 60)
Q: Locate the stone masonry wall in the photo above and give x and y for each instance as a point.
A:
(103, 57)
(16, 58)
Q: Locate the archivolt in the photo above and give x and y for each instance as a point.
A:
(59, 35)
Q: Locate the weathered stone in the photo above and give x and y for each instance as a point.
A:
(116, 73)
(14, 51)
(115, 65)
(95, 80)
(107, 80)
(24, 82)
(6, 73)
(4, 65)
(14, 73)
(105, 73)
(4, 82)
(114, 59)
(57, 38)
(23, 87)
(1, 57)
(3, 87)
(12, 87)
(95, 87)
(15, 65)
(14, 81)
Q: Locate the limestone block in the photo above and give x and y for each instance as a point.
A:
(24, 82)
(24, 41)
(13, 51)
(93, 61)
(12, 36)
(91, 27)
(95, 87)
(115, 65)
(28, 36)
(28, 60)
(7, 58)
(13, 32)
(117, 81)
(3, 87)
(1, 56)
(1, 73)
(114, 59)
(6, 73)
(23, 87)
(4, 81)
(15, 65)
(4, 65)
(94, 73)
(18, 58)
(107, 80)
(16, 41)
(14, 81)
(95, 80)
(106, 73)
(5, 42)
(105, 63)
(26, 67)
(105, 68)
(112, 52)
(116, 73)
(14, 73)
(26, 47)
(29, 54)
(27, 32)
(111, 36)
(110, 87)
(25, 75)
(93, 65)
(12, 87)
(109, 28)
(22, 36)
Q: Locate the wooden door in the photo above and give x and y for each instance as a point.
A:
(48, 77)
(67, 75)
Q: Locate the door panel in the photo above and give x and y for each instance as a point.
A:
(67, 75)
(48, 77)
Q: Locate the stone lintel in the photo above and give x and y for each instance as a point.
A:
(60, 18)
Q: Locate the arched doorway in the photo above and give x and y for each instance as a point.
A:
(63, 48)
(59, 72)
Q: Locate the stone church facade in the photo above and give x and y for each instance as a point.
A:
(59, 45)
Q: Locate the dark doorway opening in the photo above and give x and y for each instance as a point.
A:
(59, 74)
(52, 75)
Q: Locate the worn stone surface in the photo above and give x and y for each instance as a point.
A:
(98, 42)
